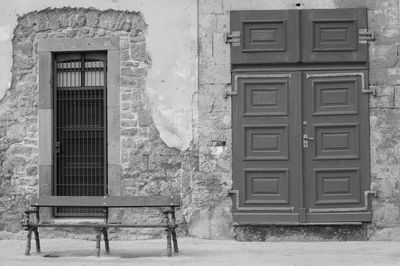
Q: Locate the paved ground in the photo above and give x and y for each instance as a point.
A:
(204, 252)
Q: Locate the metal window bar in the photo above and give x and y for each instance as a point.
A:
(80, 151)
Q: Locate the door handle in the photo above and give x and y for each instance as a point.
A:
(306, 138)
(57, 147)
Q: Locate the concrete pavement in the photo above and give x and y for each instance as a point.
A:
(203, 252)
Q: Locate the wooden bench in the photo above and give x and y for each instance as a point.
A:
(168, 203)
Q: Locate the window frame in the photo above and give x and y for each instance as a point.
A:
(46, 50)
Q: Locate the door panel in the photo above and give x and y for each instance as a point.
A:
(332, 35)
(265, 36)
(266, 122)
(336, 161)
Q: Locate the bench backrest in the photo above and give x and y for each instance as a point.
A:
(107, 201)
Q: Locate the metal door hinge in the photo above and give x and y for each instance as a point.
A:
(236, 204)
(230, 93)
(233, 38)
(348, 74)
(364, 36)
(367, 205)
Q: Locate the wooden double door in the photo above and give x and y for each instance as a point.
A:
(301, 147)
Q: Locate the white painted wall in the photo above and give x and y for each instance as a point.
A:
(171, 42)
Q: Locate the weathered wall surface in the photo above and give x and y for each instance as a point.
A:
(155, 158)
(175, 129)
(172, 45)
(214, 113)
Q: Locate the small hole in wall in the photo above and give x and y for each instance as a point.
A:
(218, 143)
(298, 4)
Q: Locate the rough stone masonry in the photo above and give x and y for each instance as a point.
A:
(203, 173)
(149, 167)
(384, 78)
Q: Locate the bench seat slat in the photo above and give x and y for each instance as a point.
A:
(111, 202)
(101, 225)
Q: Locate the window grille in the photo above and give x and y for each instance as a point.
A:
(80, 128)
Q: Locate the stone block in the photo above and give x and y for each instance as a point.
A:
(221, 51)
(386, 214)
(397, 96)
(113, 134)
(45, 136)
(212, 72)
(384, 98)
(114, 179)
(113, 78)
(45, 179)
(223, 23)
(384, 76)
(211, 99)
(199, 224)
(92, 19)
(207, 24)
(211, 7)
(45, 81)
(383, 56)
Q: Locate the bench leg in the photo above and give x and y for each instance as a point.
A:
(169, 251)
(28, 241)
(174, 240)
(106, 244)
(98, 238)
(37, 240)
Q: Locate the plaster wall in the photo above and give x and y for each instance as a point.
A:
(172, 45)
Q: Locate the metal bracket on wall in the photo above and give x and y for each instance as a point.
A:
(350, 74)
(235, 197)
(367, 205)
(364, 36)
(233, 38)
(235, 90)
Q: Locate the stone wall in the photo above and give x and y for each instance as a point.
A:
(214, 117)
(202, 174)
(149, 166)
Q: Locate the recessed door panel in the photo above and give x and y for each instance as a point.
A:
(336, 96)
(333, 35)
(265, 36)
(337, 186)
(265, 127)
(266, 186)
(336, 161)
(336, 141)
(269, 142)
(265, 97)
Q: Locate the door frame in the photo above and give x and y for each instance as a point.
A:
(46, 48)
(243, 215)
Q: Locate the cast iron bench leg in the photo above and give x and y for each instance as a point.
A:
(106, 244)
(174, 240)
(173, 230)
(28, 241)
(37, 239)
(98, 238)
(169, 250)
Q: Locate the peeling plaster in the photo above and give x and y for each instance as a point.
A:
(171, 41)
